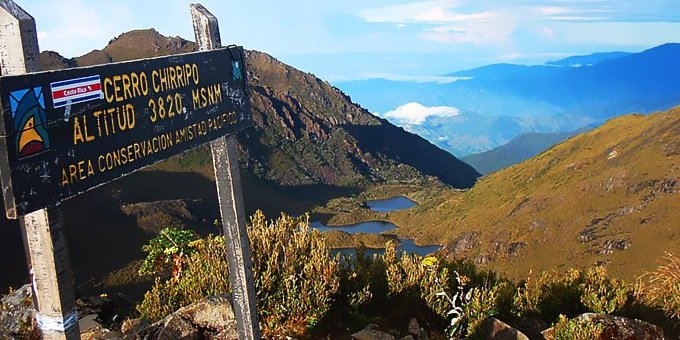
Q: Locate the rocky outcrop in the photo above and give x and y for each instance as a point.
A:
(154, 216)
(373, 332)
(17, 319)
(498, 330)
(460, 245)
(210, 318)
(618, 328)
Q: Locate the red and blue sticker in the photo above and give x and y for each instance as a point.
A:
(73, 91)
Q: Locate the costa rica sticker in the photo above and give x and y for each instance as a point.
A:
(73, 91)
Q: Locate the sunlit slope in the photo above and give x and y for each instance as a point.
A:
(606, 197)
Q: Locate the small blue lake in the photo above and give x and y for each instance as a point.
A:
(390, 204)
(377, 227)
(370, 227)
(407, 245)
(374, 227)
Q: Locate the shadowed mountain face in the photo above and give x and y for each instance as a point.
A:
(310, 143)
(307, 131)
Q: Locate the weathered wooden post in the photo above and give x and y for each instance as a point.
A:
(65, 132)
(227, 177)
(44, 242)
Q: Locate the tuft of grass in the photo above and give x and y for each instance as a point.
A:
(661, 288)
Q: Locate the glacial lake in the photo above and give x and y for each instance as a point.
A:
(377, 227)
(390, 204)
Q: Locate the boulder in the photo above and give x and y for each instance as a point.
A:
(17, 314)
(372, 332)
(460, 245)
(495, 329)
(89, 322)
(618, 328)
(210, 318)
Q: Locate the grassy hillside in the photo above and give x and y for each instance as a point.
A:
(606, 197)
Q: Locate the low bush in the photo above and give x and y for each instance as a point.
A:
(300, 287)
(571, 294)
(295, 278)
(565, 329)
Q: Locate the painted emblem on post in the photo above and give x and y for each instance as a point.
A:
(29, 115)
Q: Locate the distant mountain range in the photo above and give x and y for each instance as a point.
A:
(587, 60)
(499, 102)
(607, 197)
(309, 143)
(518, 149)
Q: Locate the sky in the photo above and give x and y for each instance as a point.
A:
(342, 40)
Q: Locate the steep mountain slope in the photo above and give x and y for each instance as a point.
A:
(607, 197)
(308, 132)
(516, 150)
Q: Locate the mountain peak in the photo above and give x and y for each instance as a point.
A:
(307, 131)
(146, 43)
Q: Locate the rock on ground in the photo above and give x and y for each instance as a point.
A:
(17, 319)
(618, 328)
(498, 330)
(210, 318)
(372, 332)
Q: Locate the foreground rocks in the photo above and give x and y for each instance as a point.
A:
(499, 330)
(618, 328)
(210, 318)
(101, 318)
(373, 332)
(16, 315)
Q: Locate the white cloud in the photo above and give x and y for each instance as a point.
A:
(447, 22)
(498, 33)
(439, 15)
(404, 13)
(413, 78)
(78, 23)
(415, 114)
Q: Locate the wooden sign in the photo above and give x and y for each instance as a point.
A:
(66, 132)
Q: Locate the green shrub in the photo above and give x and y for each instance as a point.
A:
(205, 274)
(167, 252)
(571, 293)
(295, 278)
(360, 276)
(566, 329)
(411, 273)
(601, 294)
(485, 302)
(550, 295)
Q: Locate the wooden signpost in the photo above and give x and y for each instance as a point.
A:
(66, 132)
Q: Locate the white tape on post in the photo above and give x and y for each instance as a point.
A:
(54, 324)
